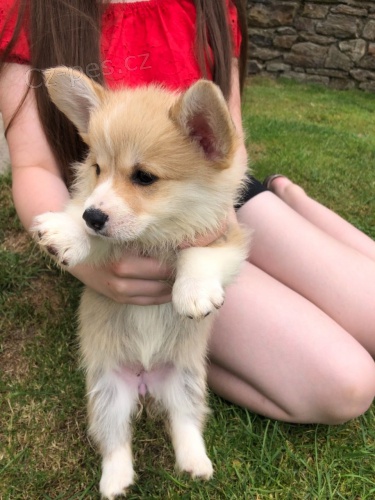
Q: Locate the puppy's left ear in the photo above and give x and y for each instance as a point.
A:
(202, 114)
(76, 95)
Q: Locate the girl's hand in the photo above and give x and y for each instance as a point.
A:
(207, 239)
(132, 280)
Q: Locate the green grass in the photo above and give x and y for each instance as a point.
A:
(323, 139)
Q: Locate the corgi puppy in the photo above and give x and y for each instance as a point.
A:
(162, 168)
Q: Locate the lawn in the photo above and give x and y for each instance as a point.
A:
(325, 140)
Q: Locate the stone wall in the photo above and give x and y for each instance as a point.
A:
(331, 42)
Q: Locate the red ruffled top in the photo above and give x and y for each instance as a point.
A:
(142, 42)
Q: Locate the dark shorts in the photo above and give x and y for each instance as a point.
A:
(251, 189)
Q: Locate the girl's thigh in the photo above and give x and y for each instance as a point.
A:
(339, 280)
(276, 353)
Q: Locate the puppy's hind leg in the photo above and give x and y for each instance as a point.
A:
(183, 395)
(111, 404)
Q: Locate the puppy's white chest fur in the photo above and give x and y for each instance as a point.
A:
(113, 336)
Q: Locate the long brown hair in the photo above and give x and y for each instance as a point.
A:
(67, 32)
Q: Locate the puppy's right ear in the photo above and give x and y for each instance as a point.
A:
(203, 115)
(76, 95)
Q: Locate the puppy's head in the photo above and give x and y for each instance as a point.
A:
(161, 167)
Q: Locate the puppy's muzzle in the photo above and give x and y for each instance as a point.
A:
(95, 218)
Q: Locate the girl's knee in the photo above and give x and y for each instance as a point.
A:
(350, 394)
(284, 188)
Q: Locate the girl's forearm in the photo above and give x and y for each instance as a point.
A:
(37, 190)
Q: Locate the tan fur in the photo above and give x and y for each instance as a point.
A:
(189, 143)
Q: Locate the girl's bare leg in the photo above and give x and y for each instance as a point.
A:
(321, 216)
(293, 339)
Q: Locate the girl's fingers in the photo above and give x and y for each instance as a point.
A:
(127, 290)
(150, 301)
(131, 280)
(143, 268)
(206, 239)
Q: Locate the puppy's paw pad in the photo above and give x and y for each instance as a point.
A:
(197, 299)
(198, 466)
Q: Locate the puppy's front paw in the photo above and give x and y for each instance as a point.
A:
(61, 237)
(197, 298)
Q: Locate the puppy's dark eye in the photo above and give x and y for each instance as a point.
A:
(97, 169)
(143, 178)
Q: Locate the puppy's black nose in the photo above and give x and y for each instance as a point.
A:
(95, 218)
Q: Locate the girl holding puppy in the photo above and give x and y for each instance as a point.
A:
(295, 338)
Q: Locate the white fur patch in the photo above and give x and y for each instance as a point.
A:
(201, 275)
(113, 402)
(108, 136)
(62, 237)
(101, 196)
(118, 473)
(189, 447)
(123, 224)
